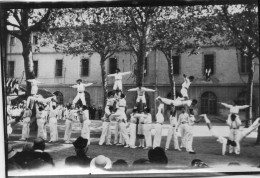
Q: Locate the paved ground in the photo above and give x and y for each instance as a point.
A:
(206, 147)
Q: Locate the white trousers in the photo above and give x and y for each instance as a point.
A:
(106, 133)
(147, 135)
(26, 128)
(132, 139)
(172, 134)
(124, 133)
(116, 132)
(189, 138)
(80, 96)
(85, 131)
(184, 92)
(68, 130)
(141, 98)
(118, 85)
(53, 129)
(157, 135)
(234, 135)
(42, 133)
(183, 130)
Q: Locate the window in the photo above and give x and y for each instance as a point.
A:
(35, 40)
(244, 64)
(209, 63)
(11, 68)
(112, 65)
(176, 65)
(58, 71)
(84, 67)
(145, 66)
(209, 103)
(35, 68)
(12, 40)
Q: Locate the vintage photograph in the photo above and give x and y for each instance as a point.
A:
(130, 88)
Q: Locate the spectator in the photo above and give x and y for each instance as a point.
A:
(157, 156)
(92, 111)
(38, 157)
(141, 163)
(81, 158)
(100, 111)
(198, 163)
(100, 162)
(120, 164)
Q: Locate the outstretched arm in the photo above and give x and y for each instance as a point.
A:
(125, 73)
(74, 86)
(243, 107)
(133, 89)
(148, 89)
(88, 84)
(111, 75)
(226, 105)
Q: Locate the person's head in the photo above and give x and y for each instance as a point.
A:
(80, 145)
(110, 94)
(73, 106)
(183, 109)
(157, 156)
(117, 70)
(139, 86)
(27, 147)
(194, 102)
(38, 144)
(191, 78)
(147, 110)
(173, 112)
(41, 108)
(79, 81)
(84, 107)
(122, 95)
(120, 163)
(191, 111)
(141, 162)
(233, 117)
(111, 108)
(100, 162)
(198, 163)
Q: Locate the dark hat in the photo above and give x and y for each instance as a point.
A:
(157, 156)
(198, 163)
(79, 80)
(39, 143)
(80, 143)
(117, 69)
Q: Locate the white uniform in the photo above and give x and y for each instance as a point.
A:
(172, 133)
(147, 129)
(158, 126)
(34, 86)
(176, 102)
(41, 117)
(183, 124)
(106, 133)
(234, 132)
(141, 93)
(123, 131)
(71, 116)
(40, 99)
(80, 95)
(185, 86)
(118, 80)
(189, 133)
(132, 126)
(26, 124)
(53, 125)
(85, 131)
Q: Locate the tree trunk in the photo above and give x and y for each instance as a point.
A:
(28, 61)
(140, 65)
(250, 92)
(258, 133)
(171, 77)
(104, 81)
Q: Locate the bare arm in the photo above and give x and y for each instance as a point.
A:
(243, 107)
(148, 89)
(133, 89)
(111, 75)
(226, 105)
(125, 73)
(74, 86)
(88, 84)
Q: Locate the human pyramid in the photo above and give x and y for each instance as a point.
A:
(139, 123)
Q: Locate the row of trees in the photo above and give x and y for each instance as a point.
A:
(140, 29)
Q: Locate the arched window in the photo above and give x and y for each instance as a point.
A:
(209, 103)
(59, 96)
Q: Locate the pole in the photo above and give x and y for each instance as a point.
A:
(156, 82)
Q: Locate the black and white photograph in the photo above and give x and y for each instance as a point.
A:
(134, 88)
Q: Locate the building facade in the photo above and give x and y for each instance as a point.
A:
(57, 72)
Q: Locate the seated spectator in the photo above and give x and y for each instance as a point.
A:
(141, 163)
(100, 162)
(11, 162)
(234, 164)
(198, 163)
(81, 158)
(38, 157)
(157, 156)
(120, 164)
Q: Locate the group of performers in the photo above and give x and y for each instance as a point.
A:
(140, 122)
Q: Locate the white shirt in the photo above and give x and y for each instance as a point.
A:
(81, 87)
(186, 83)
(122, 104)
(181, 103)
(148, 118)
(173, 120)
(234, 109)
(118, 76)
(191, 120)
(141, 91)
(183, 117)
